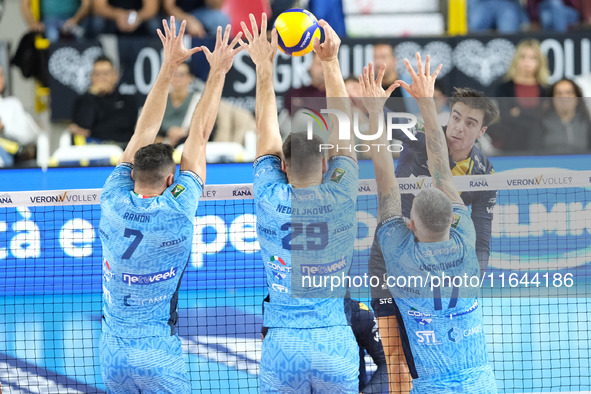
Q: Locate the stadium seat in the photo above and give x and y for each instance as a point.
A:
(222, 152)
(83, 154)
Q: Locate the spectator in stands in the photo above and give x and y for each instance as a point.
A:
(18, 130)
(295, 99)
(567, 125)
(179, 107)
(520, 97)
(203, 16)
(555, 15)
(125, 17)
(506, 16)
(231, 125)
(103, 114)
(383, 53)
(63, 18)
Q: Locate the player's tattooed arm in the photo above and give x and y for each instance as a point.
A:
(422, 89)
(389, 204)
(374, 98)
(439, 163)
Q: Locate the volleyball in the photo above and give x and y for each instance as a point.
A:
(296, 29)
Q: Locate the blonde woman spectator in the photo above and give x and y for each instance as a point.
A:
(520, 97)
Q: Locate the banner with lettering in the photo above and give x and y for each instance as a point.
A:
(470, 61)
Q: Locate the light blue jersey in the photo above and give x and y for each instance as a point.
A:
(305, 233)
(444, 341)
(146, 246)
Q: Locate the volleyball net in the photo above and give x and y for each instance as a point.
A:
(51, 285)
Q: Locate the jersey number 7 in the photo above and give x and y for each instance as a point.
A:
(129, 232)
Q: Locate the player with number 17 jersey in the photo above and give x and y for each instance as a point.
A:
(441, 327)
(146, 246)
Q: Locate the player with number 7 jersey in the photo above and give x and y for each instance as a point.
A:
(146, 230)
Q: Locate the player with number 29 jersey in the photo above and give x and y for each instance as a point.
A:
(443, 326)
(146, 247)
(306, 232)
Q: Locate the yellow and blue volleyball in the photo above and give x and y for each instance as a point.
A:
(296, 29)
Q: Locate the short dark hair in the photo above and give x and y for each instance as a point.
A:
(103, 58)
(307, 151)
(153, 163)
(477, 100)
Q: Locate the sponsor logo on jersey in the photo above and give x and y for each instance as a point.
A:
(107, 295)
(337, 175)
(131, 300)
(420, 317)
(148, 279)
(456, 221)
(174, 242)
(267, 231)
(325, 269)
(455, 334)
(279, 275)
(107, 274)
(276, 266)
(427, 338)
(279, 288)
(440, 251)
(343, 228)
(177, 190)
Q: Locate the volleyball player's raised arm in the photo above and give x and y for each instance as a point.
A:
(262, 52)
(337, 97)
(206, 112)
(422, 89)
(152, 114)
(374, 98)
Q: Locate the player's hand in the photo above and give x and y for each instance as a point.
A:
(220, 60)
(374, 95)
(329, 49)
(259, 48)
(423, 82)
(175, 52)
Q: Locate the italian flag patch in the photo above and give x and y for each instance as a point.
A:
(277, 258)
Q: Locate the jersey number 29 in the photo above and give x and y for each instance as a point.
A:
(316, 236)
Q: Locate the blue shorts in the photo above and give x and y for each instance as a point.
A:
(319, 360)
(477, 380)
(146, 365)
